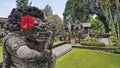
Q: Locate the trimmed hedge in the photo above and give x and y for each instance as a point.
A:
(117, 50)
(92, 44)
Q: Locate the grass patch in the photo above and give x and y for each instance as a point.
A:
(78, 58)
(78, 44)
(0, 53)
(57, 42)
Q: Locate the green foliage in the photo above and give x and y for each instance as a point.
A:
(76, 10)
(58, 21)
(96, 24)
(0, 53)
(90, 39)
(79, 58)
(80, 10)
(78, 44)
(112, 38)
(117, 50)
(56, 39)
(115, 43)
(99, 44)
(22, 3)
(112, 9)
(87, 39)
(47, 11)
(0, 42)
(57, 42)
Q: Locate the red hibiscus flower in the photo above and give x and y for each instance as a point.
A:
(27, 22)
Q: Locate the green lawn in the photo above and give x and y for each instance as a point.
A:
(0, 53)
(78, 44)
(57, 42)
(78, 58)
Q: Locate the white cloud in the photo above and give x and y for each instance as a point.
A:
(61, 16)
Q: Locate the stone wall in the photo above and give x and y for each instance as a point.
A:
(111, 50)
(0, 64)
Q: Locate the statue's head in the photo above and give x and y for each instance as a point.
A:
(28, 20)
(24, 18)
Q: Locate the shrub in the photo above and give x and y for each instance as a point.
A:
(56, 39)
(117, 50)
(115, 43)
(90, 39)
(93, 43)
(87, 39)
(112, 38)
(94, 40)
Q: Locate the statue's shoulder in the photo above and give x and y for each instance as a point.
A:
(6, 36)
(11, 36)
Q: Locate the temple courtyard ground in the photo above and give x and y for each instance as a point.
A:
(82, 58)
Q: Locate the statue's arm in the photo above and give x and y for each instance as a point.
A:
(25, 52)
(21, 50)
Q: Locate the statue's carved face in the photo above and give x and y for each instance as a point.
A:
(37, 33)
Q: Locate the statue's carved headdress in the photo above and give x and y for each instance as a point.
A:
(23, 18)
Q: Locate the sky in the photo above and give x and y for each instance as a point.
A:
(56, 5)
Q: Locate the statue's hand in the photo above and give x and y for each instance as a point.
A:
(48, 52)
(29, 54)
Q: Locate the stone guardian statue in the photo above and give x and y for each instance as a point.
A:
(28, 39)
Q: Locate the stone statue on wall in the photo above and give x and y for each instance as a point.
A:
(28, 39)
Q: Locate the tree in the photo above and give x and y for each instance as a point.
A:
(107, 11)
(80, 10)
(111, 11)
(96, 24)
(114, 10)
(58, 21)
(22, 3)
(76, 10)
(47, 11)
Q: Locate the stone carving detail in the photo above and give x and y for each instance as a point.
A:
(28, 48)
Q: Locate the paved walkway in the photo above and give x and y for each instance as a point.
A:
(106, 41)
(61, 50)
